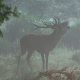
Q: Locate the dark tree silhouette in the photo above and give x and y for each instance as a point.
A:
(5, 12)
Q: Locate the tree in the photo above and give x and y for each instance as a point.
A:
(5, 12)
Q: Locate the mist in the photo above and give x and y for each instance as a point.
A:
(66, 53)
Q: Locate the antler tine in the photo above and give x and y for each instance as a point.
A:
(57, 20)
(37, 26)
(46, 25)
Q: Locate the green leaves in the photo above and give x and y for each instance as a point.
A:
(5, 13)
(15, 12)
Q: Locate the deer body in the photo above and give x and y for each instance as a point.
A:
(43, 43)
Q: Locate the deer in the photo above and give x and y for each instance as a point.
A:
(43, 44)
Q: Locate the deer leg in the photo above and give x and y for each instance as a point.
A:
(43, 61)
(23, 51)
(46, 56)
(29, 55)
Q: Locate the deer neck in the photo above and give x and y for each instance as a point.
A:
(57, 34)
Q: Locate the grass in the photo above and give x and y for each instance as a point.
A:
(60, 59)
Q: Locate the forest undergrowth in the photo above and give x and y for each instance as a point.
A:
(61, 67)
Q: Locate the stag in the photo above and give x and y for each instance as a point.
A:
(43, 43)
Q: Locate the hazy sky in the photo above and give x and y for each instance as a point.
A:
(65, 8)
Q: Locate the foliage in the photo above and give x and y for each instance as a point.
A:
(5, 12)
(63, 74)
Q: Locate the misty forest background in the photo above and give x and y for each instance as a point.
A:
(67, 51)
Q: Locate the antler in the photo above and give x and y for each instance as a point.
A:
(56, 19)
(56, 22)
(37, 26)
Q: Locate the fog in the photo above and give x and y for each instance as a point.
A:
(66, 53)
